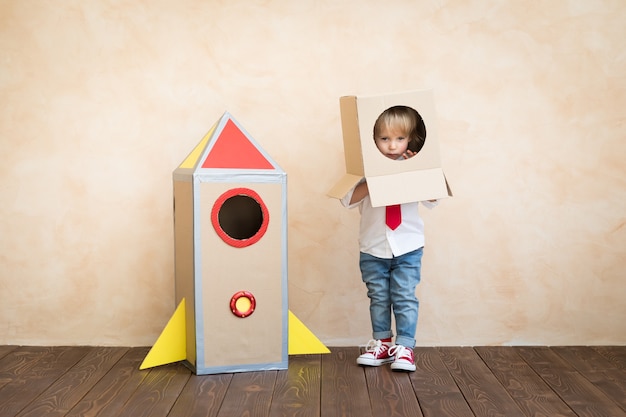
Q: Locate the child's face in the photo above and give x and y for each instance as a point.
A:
(392, 142)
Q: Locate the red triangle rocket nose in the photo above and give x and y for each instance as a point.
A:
(233, 149)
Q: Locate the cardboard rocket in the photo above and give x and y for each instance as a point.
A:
(390, 182)
(230, 239)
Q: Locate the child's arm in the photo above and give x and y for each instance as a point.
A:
(360, 192)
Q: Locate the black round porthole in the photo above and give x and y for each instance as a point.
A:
(240, 217)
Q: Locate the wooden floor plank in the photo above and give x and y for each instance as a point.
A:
(583, 358)
(110, 394)
(202, 396)
(66, 391)
(249, 394)
(17, 362)
(24, 389)
(297, 392)
(391, 393)
(570, 381)
(484, 394)
(528, 390)
(579, 393)
(598, 370)
(344, 389)
(6, 349)
(614, 354)
(612, 384)
(158, 392)
(435, 388)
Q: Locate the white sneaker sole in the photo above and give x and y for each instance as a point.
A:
(372, 362)
(402, 367)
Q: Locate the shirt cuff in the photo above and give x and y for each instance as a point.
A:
(430, 204)
(345, 200)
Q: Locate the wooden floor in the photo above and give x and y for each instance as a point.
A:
(449, 381)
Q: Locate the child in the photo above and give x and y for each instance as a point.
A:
(390, 255)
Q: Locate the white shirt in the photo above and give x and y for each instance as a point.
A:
(377, 239)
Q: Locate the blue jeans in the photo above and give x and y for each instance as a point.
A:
(391, 286)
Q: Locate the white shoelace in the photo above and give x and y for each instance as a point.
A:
(373, 346)
(398, 351)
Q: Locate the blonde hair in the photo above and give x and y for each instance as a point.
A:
(406, 119)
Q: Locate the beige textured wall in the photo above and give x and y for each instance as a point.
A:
(101, 100)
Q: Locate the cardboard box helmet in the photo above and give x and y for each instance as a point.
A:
(390, 181)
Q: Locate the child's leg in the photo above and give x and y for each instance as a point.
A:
(375, 275)
(405, 275)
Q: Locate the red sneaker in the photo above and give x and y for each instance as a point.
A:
(376, 354)
(403, 358)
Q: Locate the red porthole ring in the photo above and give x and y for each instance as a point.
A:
(240, 217)
(242, 304)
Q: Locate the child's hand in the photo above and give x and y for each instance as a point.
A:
(408, 154)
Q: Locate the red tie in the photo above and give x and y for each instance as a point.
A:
(393, 216)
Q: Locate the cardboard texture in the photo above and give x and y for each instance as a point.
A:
(230, 232)
(390, 182)
(230, 239)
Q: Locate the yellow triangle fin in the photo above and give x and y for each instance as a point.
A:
(171, 346)
(195, 154)
(301, 340)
